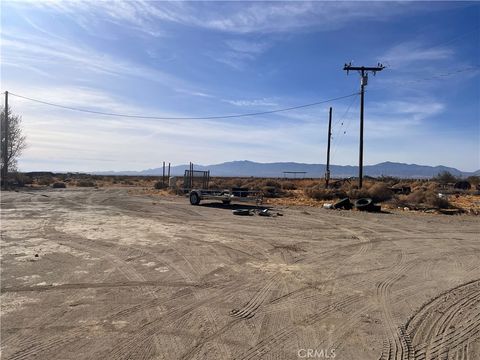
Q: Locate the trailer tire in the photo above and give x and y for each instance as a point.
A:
(194, 198)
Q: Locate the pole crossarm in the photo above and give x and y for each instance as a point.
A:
(363, 69)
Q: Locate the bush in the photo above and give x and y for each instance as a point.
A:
(445, 177)
(160, 185)
(59, 185)
(85, 183)
(319, 193)
(21, 179)
(271, 191)
(44, 181)
(416, 197)
(380, 192)
(358, 193)
(427, 197)
(433, 200)
(288, 185)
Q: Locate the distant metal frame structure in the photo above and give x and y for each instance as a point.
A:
(195, 179)
(295, 173)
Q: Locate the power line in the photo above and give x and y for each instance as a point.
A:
(437, 76)
(183, 118)
(336, 144)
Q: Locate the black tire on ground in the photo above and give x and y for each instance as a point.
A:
(194, 198)
(226, 202)
(343, 204)
(364, 204)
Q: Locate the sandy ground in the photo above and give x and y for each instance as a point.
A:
(100, 274)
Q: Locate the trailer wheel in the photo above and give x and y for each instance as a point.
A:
(194, 198)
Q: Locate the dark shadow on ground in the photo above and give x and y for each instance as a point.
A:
(217, 205)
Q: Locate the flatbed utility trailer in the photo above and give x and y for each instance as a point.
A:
(225, 196)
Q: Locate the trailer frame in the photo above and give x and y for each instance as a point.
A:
(226, 196)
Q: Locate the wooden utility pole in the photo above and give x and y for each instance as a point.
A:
(163, 174)
(5, 143)
(364, 80)
(327, 172)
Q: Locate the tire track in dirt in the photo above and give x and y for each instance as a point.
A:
(447, 324)
(398, 344)
(285, 334)
(249, 309)
(49, 345)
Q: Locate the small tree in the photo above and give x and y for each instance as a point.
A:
(445, 177)
(16, 141)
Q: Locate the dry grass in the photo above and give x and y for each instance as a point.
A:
(287, 192)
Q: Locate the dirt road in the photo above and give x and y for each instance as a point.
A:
(100, 274)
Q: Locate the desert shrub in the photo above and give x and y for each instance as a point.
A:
(289, 185)
(445, 177)
(319, 193)
(160, 185)
(273, 183)
(427, 197)
(59, 185)
(85, 183)
(417, 196)
(271, 191)
(21, 179)
(380, 192)
(44, 181)
(474, 180)
(433, 200)
(358, 193)
(391, 180)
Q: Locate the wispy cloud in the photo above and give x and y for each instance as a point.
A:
(232, 17)
(240, 52)
(413, 52)
(45, 54)
(252, 103)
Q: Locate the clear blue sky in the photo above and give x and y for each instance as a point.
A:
(185, 59)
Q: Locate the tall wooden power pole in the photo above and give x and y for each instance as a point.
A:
(327, 172)
(363, 70)
(5, 143)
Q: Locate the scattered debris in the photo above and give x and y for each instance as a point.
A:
(242, 212)
(327, 206)
(259, 212)
(403, 190)
(264, 212)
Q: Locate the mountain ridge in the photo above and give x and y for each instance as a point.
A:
(247, 168)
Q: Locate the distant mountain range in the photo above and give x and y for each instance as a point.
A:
(249, 168)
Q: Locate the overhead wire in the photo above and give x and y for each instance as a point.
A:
(336, 143)
(184, 118)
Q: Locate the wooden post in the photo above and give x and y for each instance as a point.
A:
(327, 173)
(163, 174)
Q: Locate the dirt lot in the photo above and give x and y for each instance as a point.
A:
(100, 274)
